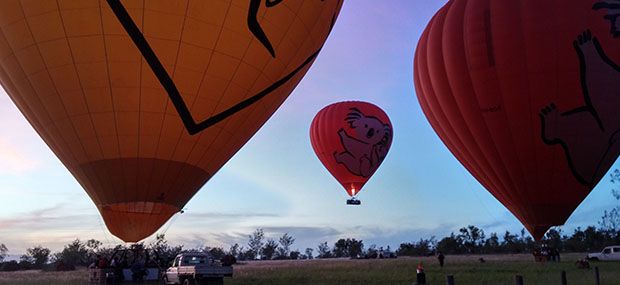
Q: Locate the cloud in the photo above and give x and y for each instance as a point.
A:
(224, 216)
(58, 216)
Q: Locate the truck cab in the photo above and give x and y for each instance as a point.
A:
(608, 253)
(196, 268)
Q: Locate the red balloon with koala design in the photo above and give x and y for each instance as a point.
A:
(351, 139)
(525, 95)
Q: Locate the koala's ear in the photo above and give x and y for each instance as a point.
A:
(353, 116)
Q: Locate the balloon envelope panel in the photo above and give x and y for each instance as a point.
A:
(351, 139)
(143, 101)
(522, 93)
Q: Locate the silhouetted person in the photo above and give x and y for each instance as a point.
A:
(420, 276)
(441, 258)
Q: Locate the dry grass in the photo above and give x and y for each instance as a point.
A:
(497, 270)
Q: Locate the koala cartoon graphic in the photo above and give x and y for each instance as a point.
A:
(366, 149)
(589, 134)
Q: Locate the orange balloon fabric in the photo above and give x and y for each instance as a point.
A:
(144, 101)
(351, 139)
(523, 93)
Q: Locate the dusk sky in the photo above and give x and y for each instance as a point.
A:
(275, 181)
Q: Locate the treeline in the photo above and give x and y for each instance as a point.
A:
(472, 240)
(468, 240)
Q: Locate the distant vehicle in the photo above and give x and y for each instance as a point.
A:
(196, 268)
(608, 253)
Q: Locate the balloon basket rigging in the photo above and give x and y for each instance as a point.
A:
(354, 201)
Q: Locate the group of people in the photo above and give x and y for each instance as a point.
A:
(546, 253)
(116, 267)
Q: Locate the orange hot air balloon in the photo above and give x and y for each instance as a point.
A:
(144, 101)
(351, 139)
(524, 95)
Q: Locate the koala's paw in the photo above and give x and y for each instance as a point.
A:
(585, 41)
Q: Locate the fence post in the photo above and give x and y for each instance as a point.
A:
(518, 280)
(564, 281)
(449, 279)
(597, 276)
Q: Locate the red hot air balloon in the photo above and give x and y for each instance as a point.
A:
(351, 139)
(524, 94)
(144, 101)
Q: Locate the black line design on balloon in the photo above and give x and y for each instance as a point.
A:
(367, 147)
(173, 93)
(588, 134)
(256, 28)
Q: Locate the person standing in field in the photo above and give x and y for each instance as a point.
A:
(441, 258)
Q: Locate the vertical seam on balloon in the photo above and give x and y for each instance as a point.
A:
(202, 80)
(448, 124)
(35, 44)
(491, 174)
(512, 189)
(488, 180)
(250, 109)
(213, 52)
(533, 115)
(174, 68)
(110, 92)
(62, 22)
(207, 147)
(520, 181)
(139, 161)
(196, 140)
(509, 197)
(489, 37)
(75, 162)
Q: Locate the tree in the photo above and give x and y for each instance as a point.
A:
(348, 248)
(164, 253)
(309, 253)
(324, 251)
(255, 243)
(74, 253)
(472, 238)
(234, 250)
(340, 248)
(3, 252)
(356, 248)
(268, 251)
(37, 256)
(421, 248)
(452, 244)
(285, 244)
(492, 244)
(294, 254)
(216, 252)
(610, 221)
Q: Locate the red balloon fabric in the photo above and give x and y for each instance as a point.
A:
(523, 93)
(351, 139)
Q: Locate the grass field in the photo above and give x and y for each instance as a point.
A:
(497, 270)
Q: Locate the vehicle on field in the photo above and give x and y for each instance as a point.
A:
(608, 253)
(196, 268)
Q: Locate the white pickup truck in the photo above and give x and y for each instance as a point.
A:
(196, 268)
(608, 253)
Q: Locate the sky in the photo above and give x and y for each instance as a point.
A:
(275, 181)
